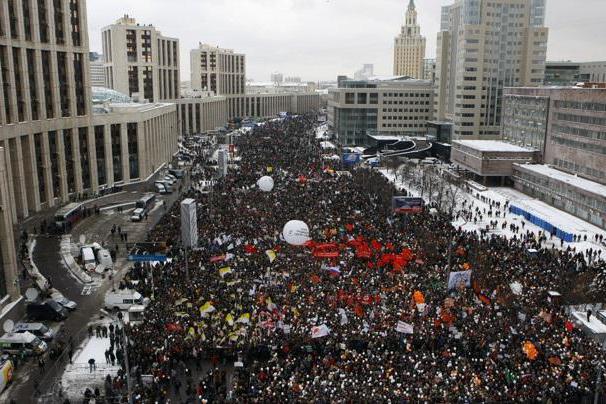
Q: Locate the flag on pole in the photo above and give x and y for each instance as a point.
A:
(271, 254)
(244, 319)
(229, 319)
(207, 308)
(404, 328)
(320, 331)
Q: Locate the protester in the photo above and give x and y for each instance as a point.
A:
(363, 312)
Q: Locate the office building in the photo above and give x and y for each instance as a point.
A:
(218, 70)
(197, 115)
(429, 69)
(97, 70)
(140, 62)
(566, 125)
(409, 47)
(277, 78)
(397, 106)
(292, 79)
(367, 71)
(593, 72)
(562, 73)
(9, 279)
(570, 193)
(484, 46)
(58, 145)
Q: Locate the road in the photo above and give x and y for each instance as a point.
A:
(47, 259)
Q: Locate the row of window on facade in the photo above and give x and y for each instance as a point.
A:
(25, 31)
(62, 147)
(19, 82)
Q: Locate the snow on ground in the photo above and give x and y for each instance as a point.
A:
(502, 195)
(78, 377)
(595, 325)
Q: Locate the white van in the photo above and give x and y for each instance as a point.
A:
(104, 258)
(88, 259)
(124, 299)
(27, 342)
(38, 329)
(137, 215)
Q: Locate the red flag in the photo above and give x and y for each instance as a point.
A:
(349, 227)
(315, 279)
(367, 300)
(569, 326)
(250, 249)
(389, 246)
(376, 245)
(359, 310)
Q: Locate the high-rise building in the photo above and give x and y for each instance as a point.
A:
(140, 62)
(58, 145)
(218, 70)
(409, 47)
(483, 47)
(429, 69)
(8, 259)
(97, 70)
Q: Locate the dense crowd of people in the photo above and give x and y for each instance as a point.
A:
(363, 311)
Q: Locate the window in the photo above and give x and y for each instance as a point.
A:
(350, 98)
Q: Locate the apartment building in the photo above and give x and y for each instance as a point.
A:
(409, 47)
(484, 46)
(218, 70)
(397, 106)
(140, 61)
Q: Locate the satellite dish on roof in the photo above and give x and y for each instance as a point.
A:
(8, 326)
(82, 238)
(32, 294)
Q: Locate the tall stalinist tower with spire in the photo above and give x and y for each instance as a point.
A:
(409, 47)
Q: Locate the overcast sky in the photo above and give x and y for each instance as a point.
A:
(319, 39)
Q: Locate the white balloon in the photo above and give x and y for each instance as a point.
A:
(296, 232)
(266, 184)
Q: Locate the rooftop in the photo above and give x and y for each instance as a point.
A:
(578, 182)
(491, 146)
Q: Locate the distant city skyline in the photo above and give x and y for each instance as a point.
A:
(319, 39)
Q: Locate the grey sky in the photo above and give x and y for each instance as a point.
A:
(318, 39)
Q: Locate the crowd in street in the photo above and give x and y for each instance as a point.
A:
(363, 311)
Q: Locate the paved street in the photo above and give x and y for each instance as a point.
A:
(89, 298)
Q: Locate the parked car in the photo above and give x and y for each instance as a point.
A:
(38, 329)
(160, 188)
(63, 301)
(48, 310)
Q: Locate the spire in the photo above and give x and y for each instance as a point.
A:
(411, 5)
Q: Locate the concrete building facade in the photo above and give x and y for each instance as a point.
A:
(9, 290)
(484, 46)
(198, 115)
(409, 47)
(568, 126)
(97, 70)
(577, 196)
(398, 106)
(218, 70)
(140, 61)
(56, 147)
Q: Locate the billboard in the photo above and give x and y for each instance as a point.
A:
(189, 223)
(407, 204)
(350, 159)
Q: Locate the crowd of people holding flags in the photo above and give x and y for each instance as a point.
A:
(374, 307)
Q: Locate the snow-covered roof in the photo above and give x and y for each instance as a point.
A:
(491, 146)
(577, 182)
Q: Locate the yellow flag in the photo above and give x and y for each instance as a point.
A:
(224, 271)
(271, 254)
(207, 308)
(229, 319)
(244, 318)
(270, 169)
